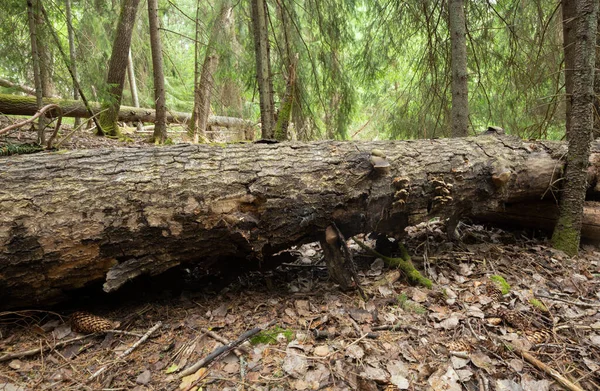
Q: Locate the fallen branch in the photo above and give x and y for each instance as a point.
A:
(33, 352)
(38, 114)
(223, 350)
(224, 341)
(566, 383)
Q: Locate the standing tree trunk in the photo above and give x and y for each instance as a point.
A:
(72, 55)
(569, 13)
(31, 9)
(567, 232)
(133, 86)
(204, 88)
(597, 83)
(116, 68)
(263, 67)
(160, 126)
(460, 88)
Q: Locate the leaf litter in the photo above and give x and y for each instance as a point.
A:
(461, 335)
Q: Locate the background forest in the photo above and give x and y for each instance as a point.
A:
(363, 69)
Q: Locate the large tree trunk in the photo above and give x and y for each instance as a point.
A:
(460, 96)
(32, 7)
(568, 228)
(117, 66)
(160, 125)
(263, 67)
(68, 220)
(205, 86)
(25, 105)
(569, 13)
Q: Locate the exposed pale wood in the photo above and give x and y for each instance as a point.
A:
(107, 216)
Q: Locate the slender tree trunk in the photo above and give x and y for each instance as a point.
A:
(263, 67)
(597, 83)
(72, 55)
(460, 88)
(203, 90)
(569, 13)
(31, 9)
(567, 232)
(160, 126)
(45, 54)
(117, 66)
(133, 86)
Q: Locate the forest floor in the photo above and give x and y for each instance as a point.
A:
(541, 331)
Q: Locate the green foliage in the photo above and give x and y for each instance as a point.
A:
(270, 336)
(366, 69)
(500, 283)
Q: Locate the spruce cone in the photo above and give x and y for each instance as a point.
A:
(86, 323)
(493, 292)
(538, 336)
(460, 345)
(516, 319)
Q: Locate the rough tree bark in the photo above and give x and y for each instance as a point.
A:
(567, 232)
(263, 67)
(72, 55)
(569, 13)
(160, 125)
(460, 89)
(31, 10)
(204, 88)
(117, 66)
(71, 219)
(25, 105)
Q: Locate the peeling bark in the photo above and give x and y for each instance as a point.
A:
(81, 217)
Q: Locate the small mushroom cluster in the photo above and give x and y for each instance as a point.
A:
(402, 186)
(442, 191)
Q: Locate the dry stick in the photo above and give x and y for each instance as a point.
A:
(577, 303)
(223, 349)
(33, 352)
(128, 351)
(69, 135)
(224, 341)
(550, 371)
(38, 114)
(68, 65)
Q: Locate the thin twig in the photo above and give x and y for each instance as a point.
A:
(35, 351)
(577, 303)
(128, 351)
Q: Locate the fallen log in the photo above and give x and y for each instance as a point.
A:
(25, 105)
(71, 219)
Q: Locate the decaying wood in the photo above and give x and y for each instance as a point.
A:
(25, 105)
(72, 219)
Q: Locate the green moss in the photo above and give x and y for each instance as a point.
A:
(404, 264)
(565, 237)
(270, 336)
(538, 304)
(409, 305)
(501, 283)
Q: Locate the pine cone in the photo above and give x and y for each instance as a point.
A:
(538, 336)
(493, 292)
(459, 346)
(516, 319)
(86, 323)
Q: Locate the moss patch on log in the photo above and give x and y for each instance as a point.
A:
(404, 263)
